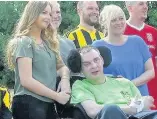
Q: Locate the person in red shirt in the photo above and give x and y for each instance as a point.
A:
(136, 26)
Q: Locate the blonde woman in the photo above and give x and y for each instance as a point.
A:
(130, 55)
(66, 45)
(33, 55)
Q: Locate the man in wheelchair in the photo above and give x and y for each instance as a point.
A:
(105, 97)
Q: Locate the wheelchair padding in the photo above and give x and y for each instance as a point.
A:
(79, 112)
(66, 111)
(74, 58)
(74, 61)
(106, 55)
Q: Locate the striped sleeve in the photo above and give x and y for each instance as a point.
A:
(101, 35)
(5, 96)
(70, 36)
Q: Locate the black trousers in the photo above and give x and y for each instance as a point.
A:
(28, 107)
(5, 113)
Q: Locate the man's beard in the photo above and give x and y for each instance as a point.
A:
(88, 21)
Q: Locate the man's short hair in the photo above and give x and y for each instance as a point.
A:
(130, 3)
(87, 49)
(80, 4)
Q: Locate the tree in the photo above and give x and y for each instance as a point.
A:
(9, 14)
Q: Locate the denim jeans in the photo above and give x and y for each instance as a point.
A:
(28, 107)
(111, 112)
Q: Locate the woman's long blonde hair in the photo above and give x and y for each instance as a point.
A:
(31, 12)
(108, 13)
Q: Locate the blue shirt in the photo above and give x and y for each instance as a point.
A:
(128, 60)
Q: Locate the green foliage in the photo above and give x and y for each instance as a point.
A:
(6, 76)
(152, 14)
(69, 16)
(10, 12)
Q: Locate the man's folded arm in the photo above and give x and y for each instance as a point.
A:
(91, 108)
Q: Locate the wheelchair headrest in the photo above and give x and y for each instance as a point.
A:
(106, 55)
(74, 58)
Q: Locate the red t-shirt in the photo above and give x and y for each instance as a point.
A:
(149, 35)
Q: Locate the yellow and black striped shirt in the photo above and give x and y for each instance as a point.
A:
(82, 37)
(4, 98)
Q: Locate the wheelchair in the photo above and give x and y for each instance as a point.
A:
(74, 64)
(69, 110)
(77, 111)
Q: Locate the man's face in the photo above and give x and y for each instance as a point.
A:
(90, 13)
(139, 9)
(92, 65)
(56, 16)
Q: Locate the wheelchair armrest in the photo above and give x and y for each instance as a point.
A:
(79, 112)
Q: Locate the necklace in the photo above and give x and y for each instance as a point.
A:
(40, 44)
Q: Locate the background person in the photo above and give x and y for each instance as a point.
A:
(136, 25)
(85, 33)
(65, 44)
(130, 54)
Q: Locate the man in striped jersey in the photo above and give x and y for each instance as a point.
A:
(85, 33)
